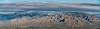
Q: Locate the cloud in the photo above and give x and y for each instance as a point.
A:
(45, 1)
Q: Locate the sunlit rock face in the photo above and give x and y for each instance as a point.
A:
(65, 19)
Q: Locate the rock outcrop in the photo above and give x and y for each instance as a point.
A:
(72, 21)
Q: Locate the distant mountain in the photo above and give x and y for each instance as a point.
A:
(42, 12)
(45, 5)
(33, 13)
(90, 4)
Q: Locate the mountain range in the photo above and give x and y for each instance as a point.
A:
(49, 15)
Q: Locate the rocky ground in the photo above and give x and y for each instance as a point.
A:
(57, 21)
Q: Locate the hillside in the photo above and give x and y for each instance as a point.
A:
(70, 20)
(49, 16)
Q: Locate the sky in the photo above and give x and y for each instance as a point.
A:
(49, 1)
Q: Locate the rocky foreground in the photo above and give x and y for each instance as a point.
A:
(55, 21)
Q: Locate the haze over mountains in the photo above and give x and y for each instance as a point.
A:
(28, 8)
(44, 5)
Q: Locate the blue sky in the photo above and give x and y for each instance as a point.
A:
(46, 1)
